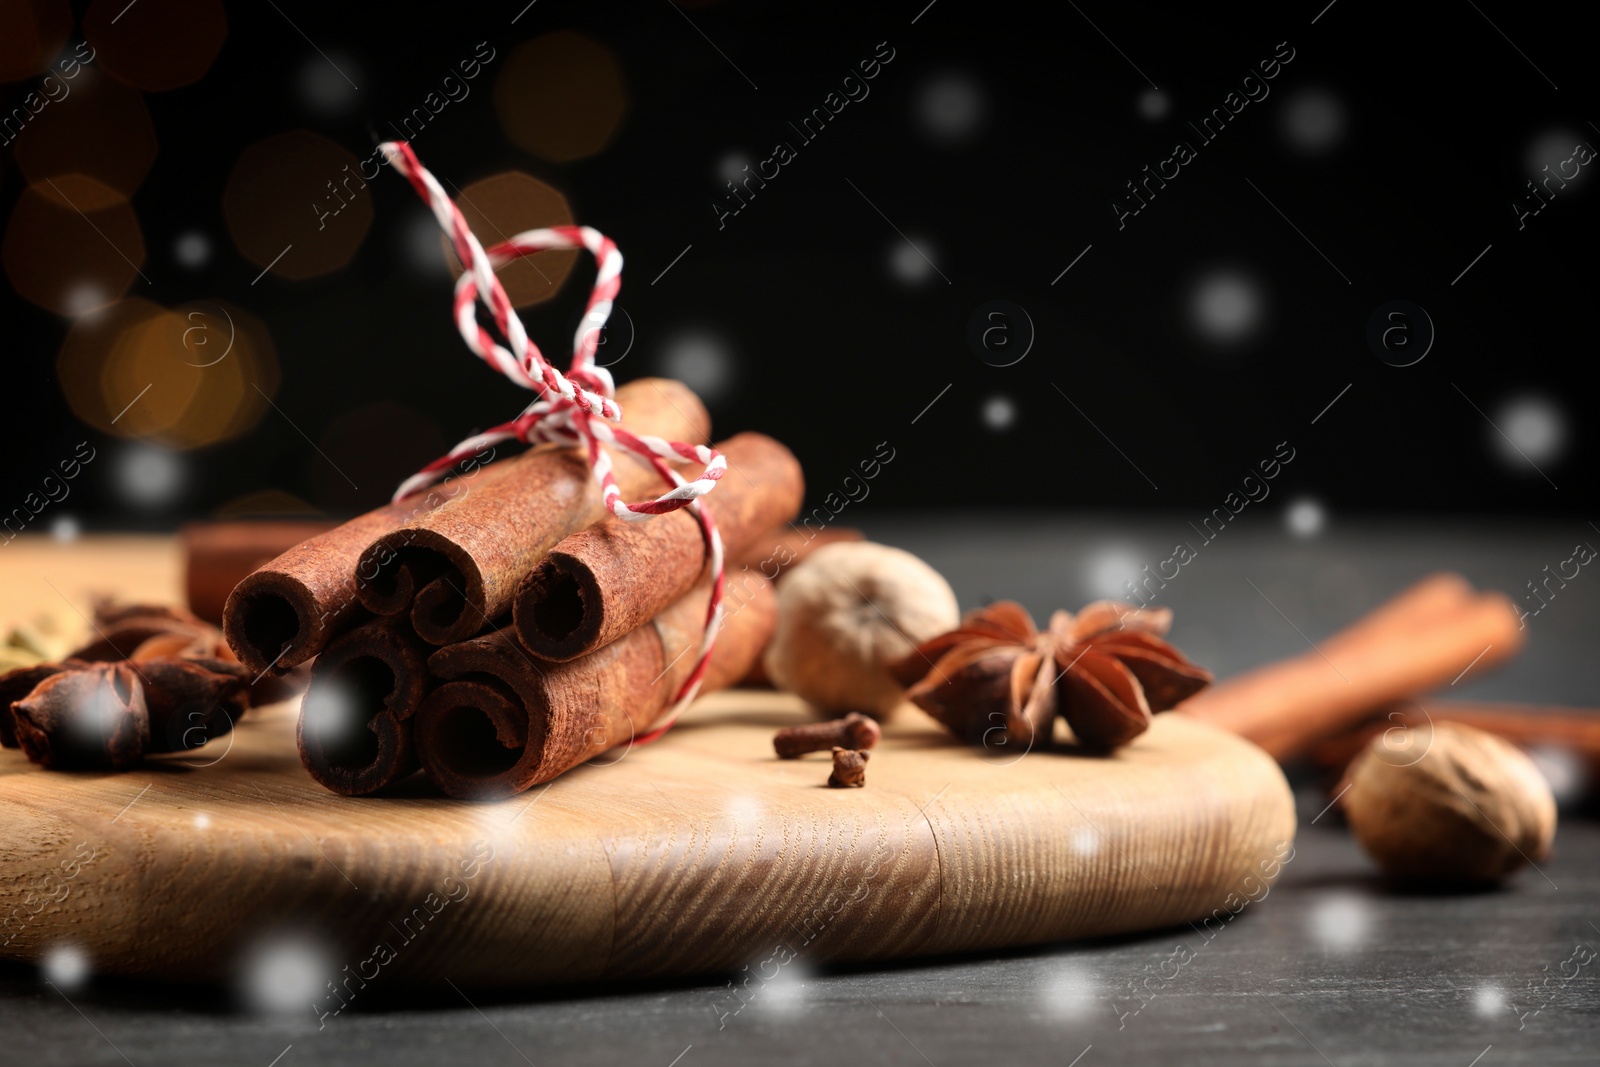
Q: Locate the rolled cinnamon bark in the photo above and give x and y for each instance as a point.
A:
(219, 555)
(288, 610)
(611, 578)
(1424, 638)
(457, 568)
(1577, 730)
(355, 722)
(503, 722)
(782, 547)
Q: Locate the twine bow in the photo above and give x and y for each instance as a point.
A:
(575, 409)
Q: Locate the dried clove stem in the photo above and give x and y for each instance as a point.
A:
(854, 731)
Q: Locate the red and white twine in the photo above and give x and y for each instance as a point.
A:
(575, 409)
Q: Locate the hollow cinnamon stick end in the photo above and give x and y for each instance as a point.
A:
(272, 621)
(354, 732)
(472, 739)
(559, 612)
(353, 758)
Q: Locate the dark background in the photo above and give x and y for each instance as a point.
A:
(997, 139)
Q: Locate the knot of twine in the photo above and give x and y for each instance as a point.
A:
(575, 409)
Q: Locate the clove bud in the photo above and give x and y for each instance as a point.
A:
(854, 731)
(849, 768)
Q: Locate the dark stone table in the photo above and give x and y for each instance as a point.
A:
(1331, 967)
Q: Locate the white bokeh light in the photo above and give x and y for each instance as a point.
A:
(785, 992)
(951, 109)
(1154, 104)
(1226, 307)
(423, 252)
(1313, 121)
(1339, 921)
(335, 715)
(97, 717)
(285, 976)
(702, 360)
(1488, 1001)
(1107, 569)
(1564, 770)
(911, 262)
(202, 821)
(1530, 429)
(192, 249)
(999, 413)
(148, 477)
(1305, 517)
(65, 528)
(324, 84)
(1551, 149)
(731, 167)
(1068, 990)
(65, 967)
(85, 298)
(745, 808)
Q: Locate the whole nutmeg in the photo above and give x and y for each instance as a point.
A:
(1470, 808)
(845, 614)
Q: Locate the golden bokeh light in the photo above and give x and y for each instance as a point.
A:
(168, 44)
(100, 128)
(31, 33)
(561, 96)
(499, 207)
(182, 377)
(72, 244)
(297, 203)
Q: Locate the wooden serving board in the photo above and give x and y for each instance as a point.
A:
(699, 853)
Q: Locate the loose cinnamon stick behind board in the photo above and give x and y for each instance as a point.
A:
(355, 730)
(219, 555)
(1529, 726)
(504, 722)
(1422, 639)
(611, 578)
(457, 568)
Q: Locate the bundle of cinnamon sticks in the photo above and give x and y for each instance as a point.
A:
(503, 628)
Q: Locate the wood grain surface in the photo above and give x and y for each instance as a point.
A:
(699, 853)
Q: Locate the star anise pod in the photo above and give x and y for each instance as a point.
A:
(996, 679)
(143, 632)
(155, 679)
(90, 716)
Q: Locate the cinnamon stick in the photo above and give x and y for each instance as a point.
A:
(289, 609)
(219, 555)
(1529, 726)
(611, 578)
(1424, 638)
(457, 568)
(503, 722)
(355, 722)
